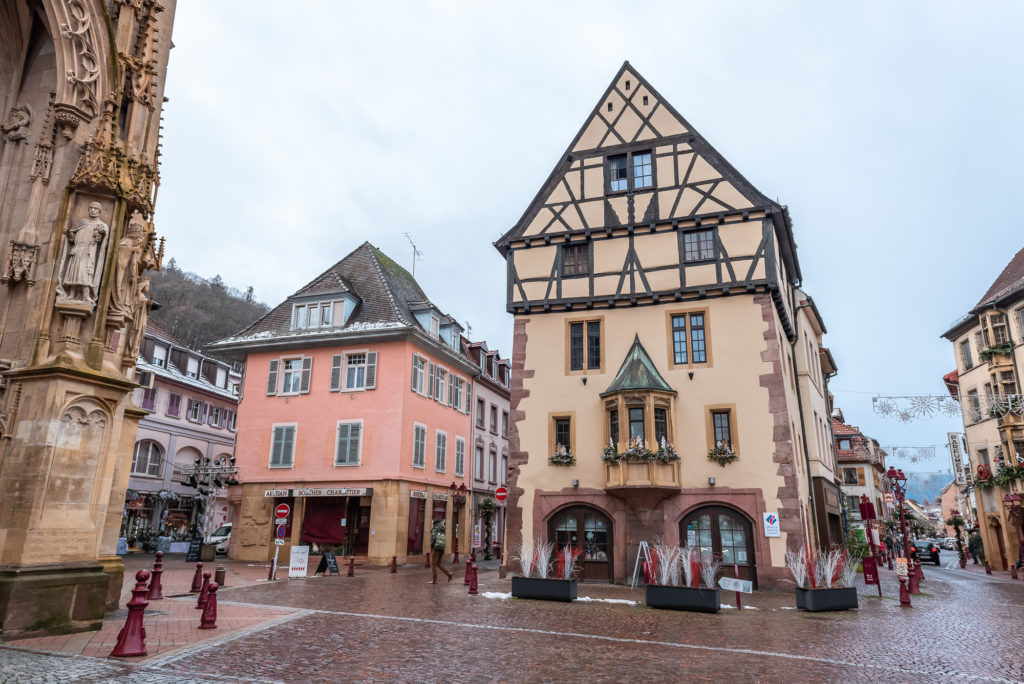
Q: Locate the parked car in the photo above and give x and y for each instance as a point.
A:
(927, 549)
(949, 544)
(221, 538)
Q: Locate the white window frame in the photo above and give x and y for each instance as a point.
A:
(460, 387)
(286, 373)
(440, 381)
(418, 374)
(160, 355)
(503, 462)
(337, 444)
(295, 437)
(418, 428)
(191, 363)
(440, 451)
(347, 366)
(480, 461)
(145, 472)
(198, 405)
(435, 324)
(492, 465)
(460, 456)
(214, 416)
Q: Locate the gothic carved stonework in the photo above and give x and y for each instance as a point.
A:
(128, 268)
(139, 318)
(21, 263)
(44, 146)
(84, 71)
(9, 413)
(86, 413)
(105, 164)
(15, 128)
(81, 267)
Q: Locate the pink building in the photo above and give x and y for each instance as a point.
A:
(356, 413)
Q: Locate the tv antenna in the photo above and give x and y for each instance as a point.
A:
(417, 255)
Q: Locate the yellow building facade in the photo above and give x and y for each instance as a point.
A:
(668, 378)
(988, 343)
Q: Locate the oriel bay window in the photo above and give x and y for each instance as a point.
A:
(584, 352)
(647, 415)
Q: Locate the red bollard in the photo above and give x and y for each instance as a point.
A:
(426, 563)
(890, 561)
(155, 588)
(988, 568)
(209, 617)
(920, 570)
(197, 579)
(1013, 572)
(351, 566)
(472, 581)
(904, 594)
(204, 592)
(131, 640)
(455, 561)
(394, 564)
(915, 587)
(472, 555)
(469, 561)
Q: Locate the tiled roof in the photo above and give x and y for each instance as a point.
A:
(385, 291)
(1010, 280)
(638, 372)
(154, 329)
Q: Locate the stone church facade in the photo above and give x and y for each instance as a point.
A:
(81, 92)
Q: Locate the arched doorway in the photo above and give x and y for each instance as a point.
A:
(591, 530)
(725, 532)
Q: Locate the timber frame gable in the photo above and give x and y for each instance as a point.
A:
(633, 233)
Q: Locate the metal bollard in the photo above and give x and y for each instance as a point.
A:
(209, 617)
(155, 588)
(473, 582)
(197, 579)
(220, 575)
(394, 564)
(131, 640)
(204, 592)
(351, 566)
(469, 561)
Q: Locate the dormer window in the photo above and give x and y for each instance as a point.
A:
(322, 314)
(192, 369)
(434, 324)
(160, 356)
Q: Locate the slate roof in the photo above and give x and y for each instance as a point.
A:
(1008, 282)
(638, 372)
(385, 292)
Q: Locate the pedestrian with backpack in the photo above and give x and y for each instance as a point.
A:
(437, 544)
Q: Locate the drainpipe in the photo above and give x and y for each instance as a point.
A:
(803, 423)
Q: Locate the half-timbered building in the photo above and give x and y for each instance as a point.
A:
(668, 376)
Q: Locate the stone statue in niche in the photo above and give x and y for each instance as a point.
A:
(84, 249)
(139, 318)
(128, 268)
(15, 129)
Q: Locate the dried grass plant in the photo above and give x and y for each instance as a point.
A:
(543, 555)
(526, 557)
(796, 561)
(666, 564)
(569, 555)
(687, 563)
(710, 564)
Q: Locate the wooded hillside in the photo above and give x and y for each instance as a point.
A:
(197, 310)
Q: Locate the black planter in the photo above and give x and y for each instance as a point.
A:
(544, 589)
(818, 600)
(682, 598)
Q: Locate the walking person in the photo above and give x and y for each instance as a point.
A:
(970, 550)
(437, 544)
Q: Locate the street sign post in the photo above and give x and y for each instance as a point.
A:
(902, 569)
(870, 568)
(279, 542)
(732, 584)
(501, 493)
(280, 531)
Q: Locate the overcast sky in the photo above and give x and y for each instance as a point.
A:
(296, 131)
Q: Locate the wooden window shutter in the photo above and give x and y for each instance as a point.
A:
(430, 380)
(371, 370)
(307, 371)
(469, 397)
(288, 446)
(336, 372)
(451, 389)
(860, 476)
(272, 377)
(147, 349)
(412, 374)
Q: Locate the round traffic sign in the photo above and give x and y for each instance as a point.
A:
(501, 493)
(280, 531)
(283, 510)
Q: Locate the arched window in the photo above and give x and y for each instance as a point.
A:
(727, 534)
(591, 531)
(147, 459)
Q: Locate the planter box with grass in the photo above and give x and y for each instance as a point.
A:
(818, 600)
(682, 598)
(544, 589)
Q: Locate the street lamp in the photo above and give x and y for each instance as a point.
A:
(899, 481)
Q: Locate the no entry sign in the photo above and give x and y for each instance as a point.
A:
(283, 510)
(500, 493)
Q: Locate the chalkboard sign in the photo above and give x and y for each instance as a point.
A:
(193, 550)
(328, 564)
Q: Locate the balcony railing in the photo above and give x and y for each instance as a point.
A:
(1008, 408)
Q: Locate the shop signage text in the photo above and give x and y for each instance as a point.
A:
(276, 493)
(440, 497)
(339, 491)
(417, 494)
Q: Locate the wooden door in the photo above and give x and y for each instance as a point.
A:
(590, 531)
(727, 534)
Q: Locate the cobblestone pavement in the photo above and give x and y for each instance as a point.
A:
(379, 626)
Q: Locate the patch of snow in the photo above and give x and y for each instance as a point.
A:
(788, 607)
(751, 608)
(496, 595)
(607, 600)
(726, 605)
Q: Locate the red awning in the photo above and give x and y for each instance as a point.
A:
(952, 380)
